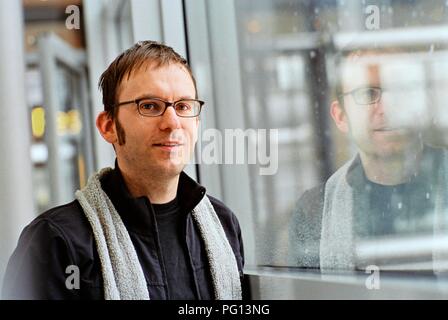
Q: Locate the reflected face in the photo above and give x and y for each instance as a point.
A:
(382, 129)
(156, 145)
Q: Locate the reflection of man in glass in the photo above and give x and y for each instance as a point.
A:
(395, 183)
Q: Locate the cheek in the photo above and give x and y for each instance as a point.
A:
(359, 124)
(138, 134)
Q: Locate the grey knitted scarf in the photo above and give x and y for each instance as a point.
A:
(122, 273)
(337, 245)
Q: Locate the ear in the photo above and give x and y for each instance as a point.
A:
(339, 116)
(106, 127)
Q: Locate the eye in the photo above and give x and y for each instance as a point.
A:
(183, 106)
(151, 105)
(366, 95)
(148, 105)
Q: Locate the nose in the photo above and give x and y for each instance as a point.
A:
(379, 107)
(169, 120)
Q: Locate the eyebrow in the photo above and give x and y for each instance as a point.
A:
(156, 96)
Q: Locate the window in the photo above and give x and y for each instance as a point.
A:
(304, 75)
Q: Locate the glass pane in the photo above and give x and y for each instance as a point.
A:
(356, 184)
(69, 129)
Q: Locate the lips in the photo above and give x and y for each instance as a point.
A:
(395, 131)
(168, 144)
(387, 129)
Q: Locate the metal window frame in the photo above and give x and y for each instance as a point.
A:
(303, 284)
(52, 51)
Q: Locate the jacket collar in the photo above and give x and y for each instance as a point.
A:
(137, 213)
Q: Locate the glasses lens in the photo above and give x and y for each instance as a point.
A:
(188, 108)
(367, 95)
(151, 107)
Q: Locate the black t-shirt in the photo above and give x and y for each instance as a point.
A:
(171, 223)
(398, 209)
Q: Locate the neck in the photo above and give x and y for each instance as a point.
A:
(158, 189)
(392, 170)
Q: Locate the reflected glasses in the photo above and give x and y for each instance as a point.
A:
(155, 107)
(365, 95)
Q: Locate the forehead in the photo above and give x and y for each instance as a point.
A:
(157, 79)
(384, 70)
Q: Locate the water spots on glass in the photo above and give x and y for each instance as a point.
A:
(400, 205)
(427, 195)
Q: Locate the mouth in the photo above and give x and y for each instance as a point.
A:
(388, 129)
(392, 132)
(168, 145)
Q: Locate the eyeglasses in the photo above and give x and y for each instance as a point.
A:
(365, 95)
(155, 107)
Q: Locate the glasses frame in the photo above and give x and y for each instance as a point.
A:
(167, 104)
(357, 89)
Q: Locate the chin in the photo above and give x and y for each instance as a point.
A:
(172, 169)
(395, 150)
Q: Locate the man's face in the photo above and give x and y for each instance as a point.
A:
(388, 127)
(159, 146)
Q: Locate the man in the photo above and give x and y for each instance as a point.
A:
(143, 230)
(395, 184)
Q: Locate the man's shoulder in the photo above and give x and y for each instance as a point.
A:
(68, 220)
(231, 228)
(67, 213)
(228, 219)
(305, 228)
(306, 218)
(218, 205)
(223, 211)
(314, 194)
(311, 201)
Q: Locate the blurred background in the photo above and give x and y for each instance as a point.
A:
(265, 64)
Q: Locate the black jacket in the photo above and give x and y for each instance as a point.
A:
(62, 237)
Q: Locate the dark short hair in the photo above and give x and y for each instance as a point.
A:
(132, 59)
